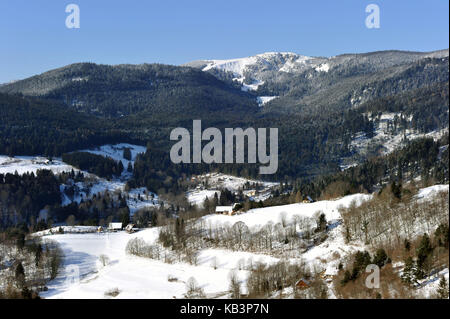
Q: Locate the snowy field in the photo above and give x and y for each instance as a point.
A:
(264, 99)
(94, 184)
(389, 142)
(137, 277)
(197, 197)
(84, 276)
(116, 153)
(24, 164)
(99, 186)
(216, 181)
(260, 216)
(67, 230)
(31, 164)
(432, 190)
(276, 61)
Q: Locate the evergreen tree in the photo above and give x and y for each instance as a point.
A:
(21, 241)
(322, 223)
(20, 276)
(127, 154)
(408, 275)
(407, 245)
(443, 289)
(423, 251)
(442, 235)
(120, 167)
(381, 258)
(38, 254)
(125, 217)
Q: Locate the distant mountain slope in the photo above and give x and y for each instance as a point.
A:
(114, 91)
(347, 90)
(311, 83)
(281, 81)
(32, 126)
(321, 108)
(274, 66)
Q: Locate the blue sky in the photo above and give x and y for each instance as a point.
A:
(34, 37)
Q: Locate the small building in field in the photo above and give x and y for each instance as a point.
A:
(250, 193)
(308, 199)
(115, 226)
(303, 284)
(131, 228)
(227, 210)
(99, 229)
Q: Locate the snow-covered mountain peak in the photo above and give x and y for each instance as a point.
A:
(271, 61)
(236, 66)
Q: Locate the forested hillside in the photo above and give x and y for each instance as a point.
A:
(114, 91)
(319, 117)
(30, 126)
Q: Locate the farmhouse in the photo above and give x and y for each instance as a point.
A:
(250, 193)
(227, 210)
(115, 226)
(302, 284)
(308, 199)
(224, 210)
(131, 228)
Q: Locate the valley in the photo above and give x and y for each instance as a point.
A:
(140, 277)
(93, 204)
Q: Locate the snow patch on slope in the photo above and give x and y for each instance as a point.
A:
(236, 66)
(31, 164)
(137, 277)
(138, 198)
(322, 68)
(116, 153)
(427, 192)
(270, 61)
(261, 216)
(264, 99)
(197, 197)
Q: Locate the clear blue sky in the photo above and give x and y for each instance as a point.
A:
(34, 38)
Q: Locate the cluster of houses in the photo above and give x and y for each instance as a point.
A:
(304, 283)
(114, 227)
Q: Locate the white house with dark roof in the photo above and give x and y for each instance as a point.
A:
(115, 226)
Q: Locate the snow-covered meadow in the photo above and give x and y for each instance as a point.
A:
(116, 153)
(386, 139)
(134, 277)
(138, 277)
(31, 164)
(94, 184)
(211, 183)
